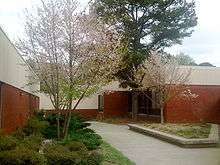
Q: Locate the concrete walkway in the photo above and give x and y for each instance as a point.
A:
(144, 150)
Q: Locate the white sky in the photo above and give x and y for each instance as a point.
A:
(203, 45)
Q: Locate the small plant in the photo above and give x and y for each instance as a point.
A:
(91, 140)
(95, 158)
(35, 126)
(26, 146)
(7, 143)
(61, 155)
(31, 142)
(21, 156)
(76, 146)
(19, 134)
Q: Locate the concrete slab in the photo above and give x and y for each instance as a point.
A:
(145, 150)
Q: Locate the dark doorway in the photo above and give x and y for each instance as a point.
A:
(144, 102)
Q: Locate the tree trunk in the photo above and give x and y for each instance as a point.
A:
(134, 105)
(58, 125)
(69, 114)
(162, 115)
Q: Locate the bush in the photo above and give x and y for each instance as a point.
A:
(78, 130)
(77, 123)
(61, 155)
(50, 132)
(95, 158)
(32, 142)
(35, 126)
(7, 143)
(21, 156)
(76, 146)
(19, 134)
(90, 140)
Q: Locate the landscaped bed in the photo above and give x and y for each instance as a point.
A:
(189, 131)
(119, 120)
(184, 135)
(37, 144)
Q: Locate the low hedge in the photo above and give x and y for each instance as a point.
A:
(22, 156)
(26, 146)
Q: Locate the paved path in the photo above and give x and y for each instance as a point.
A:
(144, 150)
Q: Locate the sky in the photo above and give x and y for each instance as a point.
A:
(202, 46)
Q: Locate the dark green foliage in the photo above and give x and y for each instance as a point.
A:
(146, 25)
(21, 156)
(61, 155)
(50, 131)
(31, 142)
(78, 130)
(91, 140)
(35, 126)
(7, 143)
(76, 146)
(19, 134)
(95, 158)
(77, 123)
(22, 148)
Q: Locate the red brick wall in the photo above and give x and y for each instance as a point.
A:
(205, 108)
(116, 104)
(17, 106)
(85, 113)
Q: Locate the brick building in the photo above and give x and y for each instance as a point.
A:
(114, 101)
(17, 98)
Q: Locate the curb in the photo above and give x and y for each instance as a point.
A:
(211, 141)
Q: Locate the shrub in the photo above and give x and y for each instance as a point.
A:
(76, 146)
(7, 143)
(61, 155)
(35, 126)
(21, 156)
(77, 123)
(90, 140)
(50, 131)
(19, 134)
(94, 158)
(32, 142)
(85, 130)
(79, 131)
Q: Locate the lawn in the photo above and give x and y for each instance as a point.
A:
(119, 120)
(113, 156)
(188, 131)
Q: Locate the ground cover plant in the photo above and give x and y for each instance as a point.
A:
(111, 156)
(34, 145)
(188, 131)
(79, 130)
(28, 145)
(119, 120)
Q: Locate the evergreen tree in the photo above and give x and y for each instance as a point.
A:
(146, 25)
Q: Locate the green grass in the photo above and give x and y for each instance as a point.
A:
(119, 120)
(189, 131)
(113, 156)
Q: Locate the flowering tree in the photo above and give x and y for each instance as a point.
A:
(72, 53)
(165, 77)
